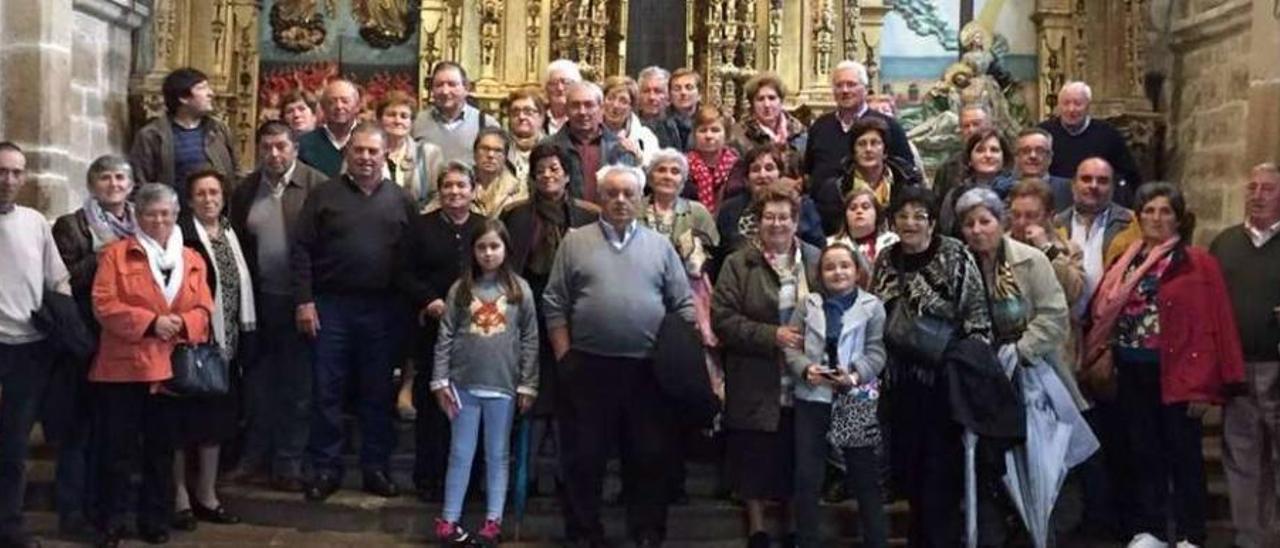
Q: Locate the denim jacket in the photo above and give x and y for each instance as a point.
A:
(860, 347)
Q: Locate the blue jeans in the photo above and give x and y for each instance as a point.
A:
(24, 373)
(358, 338)
(496, 414)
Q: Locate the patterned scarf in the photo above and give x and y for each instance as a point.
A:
(709, 180)
(1008, 319)
(106, 228)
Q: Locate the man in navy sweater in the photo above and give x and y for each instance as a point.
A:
(829, 141)
(1077, 136)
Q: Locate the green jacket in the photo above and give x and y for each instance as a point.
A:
(152, 152)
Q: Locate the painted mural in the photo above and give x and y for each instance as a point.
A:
(306, 43)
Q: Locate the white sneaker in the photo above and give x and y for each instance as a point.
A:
(1187, 544)
(1146, 540)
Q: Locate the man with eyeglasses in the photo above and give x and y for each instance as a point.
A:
(1032, 155)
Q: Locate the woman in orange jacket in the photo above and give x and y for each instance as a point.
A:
(150, 294)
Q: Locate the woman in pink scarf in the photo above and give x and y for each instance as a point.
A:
(1163, 341)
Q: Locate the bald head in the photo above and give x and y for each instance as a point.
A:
(340, 103)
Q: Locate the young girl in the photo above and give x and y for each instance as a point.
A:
(486, 363)
(837, 393)
(711, 161)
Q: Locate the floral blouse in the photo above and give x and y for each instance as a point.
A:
(1139, 323)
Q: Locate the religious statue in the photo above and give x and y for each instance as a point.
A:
(298, 25)
(385, 23)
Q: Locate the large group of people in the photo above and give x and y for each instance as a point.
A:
(855, 318)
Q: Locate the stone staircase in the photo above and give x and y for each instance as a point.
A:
(353, 518)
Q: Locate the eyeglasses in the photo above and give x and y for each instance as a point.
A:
(904, 217)
(526, 111)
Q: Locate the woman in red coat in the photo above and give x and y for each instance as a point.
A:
(1162, 323)
(150, 294)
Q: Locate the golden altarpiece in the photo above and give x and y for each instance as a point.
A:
(506, 44)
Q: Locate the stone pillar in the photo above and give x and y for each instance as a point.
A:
(1263, 129)
(65, 64)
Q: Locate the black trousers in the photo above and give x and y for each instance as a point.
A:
(603, 399)
(928, 459)
(1165, 445)
(134, 428)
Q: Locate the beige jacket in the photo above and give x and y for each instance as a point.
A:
(1049, 325)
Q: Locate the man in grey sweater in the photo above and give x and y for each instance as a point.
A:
(610, 286)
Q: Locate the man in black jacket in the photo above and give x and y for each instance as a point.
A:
(264, 213)
(829, 140)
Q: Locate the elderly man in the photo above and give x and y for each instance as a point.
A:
(1032, 155)
(345, 260)
(589, 143)
(322, 147)
(1250, 257)
(1102, 229)
(31, 267)
(559, 76)
(264, 214)
(974, 117)
(184, 139)
(829, 140)
(603, 339)
(654, 84)
(526, 112)
(1076, 136)
(450, 123)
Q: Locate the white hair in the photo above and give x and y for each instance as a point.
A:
(589, 86)
(1265, 167)
(665, 155)
(859, 70)
(1076, 85)
(569, 68)
(651, 72)
(612, 170)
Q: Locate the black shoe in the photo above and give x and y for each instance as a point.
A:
(154, 537)
(184, 520)
(788, 541)
(109, 539)
(321, 488)
(218, 515)
(759, 539)
(379, 483)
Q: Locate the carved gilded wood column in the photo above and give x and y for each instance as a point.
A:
(1058, 50)
(433, 26)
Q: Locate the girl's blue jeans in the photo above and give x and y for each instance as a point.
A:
(497, 414)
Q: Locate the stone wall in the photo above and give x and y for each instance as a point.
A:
(1219, 49)
(64, 68)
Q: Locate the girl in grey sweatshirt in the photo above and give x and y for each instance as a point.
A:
(486, 366)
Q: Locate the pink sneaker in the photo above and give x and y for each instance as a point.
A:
(450, 534)
(491, 532)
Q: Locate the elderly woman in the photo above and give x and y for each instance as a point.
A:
(150, 294)
(206, 423)
(864, 227)
(1028, 319)
(436, 249)
(758, 289)
(930, 280)
(107, 216)
(412, 165)
(990, 161)
(763, 166)
(768, 122)
(1031, 222)
(1162, 327)
(537, 226)
(526, 111)
(620, 96)
(868, 166)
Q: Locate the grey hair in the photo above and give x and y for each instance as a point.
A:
(980, 197)
(108, 163)
(589, 86)
(1076, 85)
(325, 94)
(456, 166)
(563, 65)
(152, 193)
(1035, 130)
(651, 72)
(976, 106)
(1265, 167)
(859, 70)
(611, 170)
(665, 155)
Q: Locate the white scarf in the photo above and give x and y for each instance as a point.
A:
(248, 317)
(167, 257)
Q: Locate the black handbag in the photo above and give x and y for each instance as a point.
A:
(922, 339)
(199, 370)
